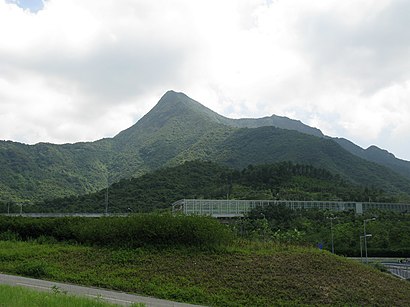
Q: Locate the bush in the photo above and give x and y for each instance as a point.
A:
(36, 269)
(133, 231)
(9, 236)
(153, 229)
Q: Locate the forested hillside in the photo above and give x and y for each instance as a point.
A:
(176, 130)
(46, 170)
(196, 179)
(377, 155)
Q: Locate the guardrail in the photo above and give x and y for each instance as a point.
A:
(401, 270)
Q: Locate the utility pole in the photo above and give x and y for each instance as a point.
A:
(106, 190)
(361, 249)
(331, 232)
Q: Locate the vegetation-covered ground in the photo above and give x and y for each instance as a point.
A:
(199, 260)
(159, 189)
(251, 274)
(21, 297)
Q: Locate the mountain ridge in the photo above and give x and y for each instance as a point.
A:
(176, 130)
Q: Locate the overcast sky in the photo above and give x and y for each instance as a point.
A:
(80, 70)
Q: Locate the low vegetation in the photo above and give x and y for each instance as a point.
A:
(21, 297)
(244, 274)
(390, 231)
(135, 231)
(261, 261)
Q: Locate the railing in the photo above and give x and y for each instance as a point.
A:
(237, 208)
(401, 270)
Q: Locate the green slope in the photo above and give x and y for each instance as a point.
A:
(377, 155)
(196, 179)
(176, 130)
(174, 124)
(269, 144)
(47, 170)
(251, 275)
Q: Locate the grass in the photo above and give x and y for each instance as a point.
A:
(245, 274)
(22, 297)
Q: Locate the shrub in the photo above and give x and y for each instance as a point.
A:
(134, 231)
(9, 236)
(36, 269)
(153, 229)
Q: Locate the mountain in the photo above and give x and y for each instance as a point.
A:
(377, 155)
(33, 172)
(176, 130)
(178, 106)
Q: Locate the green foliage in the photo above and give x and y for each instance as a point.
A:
(196, 179)
(34, 172)
(378, 266)
(36, 269)
(390, 231)
(9, 236)
(159, 230)
(249, 274)
(22, 297)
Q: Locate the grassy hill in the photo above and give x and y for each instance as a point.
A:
(244, 274)
(176, 130)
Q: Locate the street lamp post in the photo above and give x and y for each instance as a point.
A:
(361, 248)
(365, 236)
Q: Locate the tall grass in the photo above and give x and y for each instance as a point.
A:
(21, 297)
(134, 231)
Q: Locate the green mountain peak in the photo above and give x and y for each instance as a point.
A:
(179, 129)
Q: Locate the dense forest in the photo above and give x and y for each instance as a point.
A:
(197, 179)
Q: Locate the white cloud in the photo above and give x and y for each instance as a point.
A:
(82, 70)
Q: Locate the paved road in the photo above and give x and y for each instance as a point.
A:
(114, 297)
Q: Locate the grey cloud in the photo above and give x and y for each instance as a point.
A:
(113, 73)
(374, 52)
